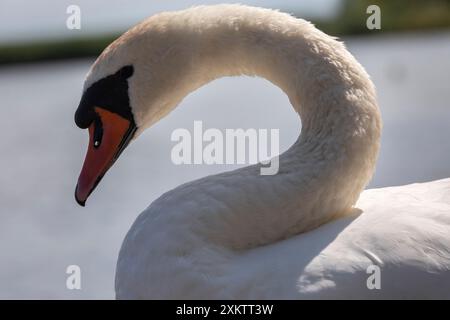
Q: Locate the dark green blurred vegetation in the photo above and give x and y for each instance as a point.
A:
(396, 16)
(54, 50)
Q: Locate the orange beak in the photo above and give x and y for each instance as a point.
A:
(108, 137)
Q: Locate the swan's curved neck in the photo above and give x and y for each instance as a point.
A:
(323, 173)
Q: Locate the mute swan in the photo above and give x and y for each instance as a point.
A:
(239, 234)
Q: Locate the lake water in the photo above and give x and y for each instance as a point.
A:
(43, 230)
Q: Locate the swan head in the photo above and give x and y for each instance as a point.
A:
(135, 82)
(105, 111)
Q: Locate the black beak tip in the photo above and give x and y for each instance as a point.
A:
(81, 203)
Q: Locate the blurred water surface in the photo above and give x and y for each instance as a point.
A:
(43, 230)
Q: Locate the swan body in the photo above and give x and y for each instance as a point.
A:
(403, 230)
(239, 234)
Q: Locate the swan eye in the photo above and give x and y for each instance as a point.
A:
(98, 132)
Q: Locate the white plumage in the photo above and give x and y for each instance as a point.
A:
(297, 234)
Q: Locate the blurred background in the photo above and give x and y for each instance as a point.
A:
(42, 69)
